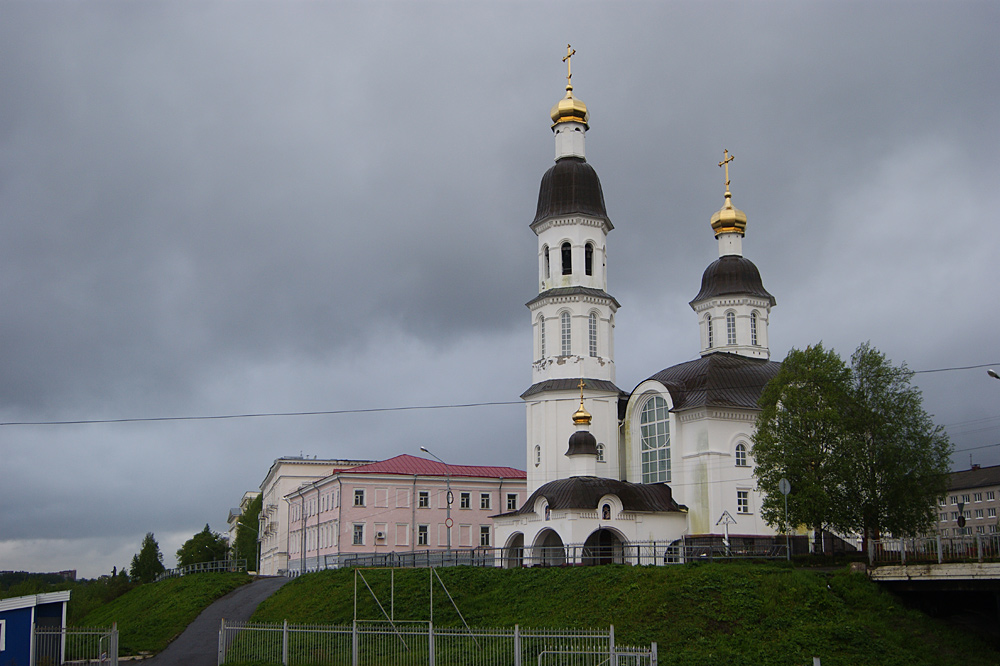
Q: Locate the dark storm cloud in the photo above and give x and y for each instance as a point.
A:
(230, 208)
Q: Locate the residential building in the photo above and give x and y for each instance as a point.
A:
(972, 494)
(285, 475)
(397, 505)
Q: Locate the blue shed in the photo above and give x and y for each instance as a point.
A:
(17, 615)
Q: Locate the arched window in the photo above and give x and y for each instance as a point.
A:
(567, 259)
(741, 455)
(654, 431)
(541, 336)
(592, 333)
(606, 512)
(538, 455)
(730, 328)
(708, 325)
(753, 328)
(600, 452)
(564, 325)
(588, 259)
(545, 251)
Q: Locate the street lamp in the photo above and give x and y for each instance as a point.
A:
(993, 373)
(448, 497)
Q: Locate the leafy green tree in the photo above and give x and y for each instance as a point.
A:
(799, 430)
(896, 461)
(205, 546)
(245, 546)
(860, 452)
(147, 564)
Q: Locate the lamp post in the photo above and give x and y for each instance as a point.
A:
(993, 373)
(448, 497)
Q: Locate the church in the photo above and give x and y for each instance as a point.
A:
(610, 471)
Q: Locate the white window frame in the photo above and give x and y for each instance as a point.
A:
(566, 333)
(423, 535)
(753, 328)
(730, 328)
(512, 501)
(743, 502)
(358, 534)
(485, 501)
(359, 497)
(741, 455)
(484, 535)
(465, 500)
(654, 438)
(592, 334)
(423, 499)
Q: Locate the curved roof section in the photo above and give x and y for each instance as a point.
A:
(732, 274)
(582, 442)
(570, 186)
(584, 492)
(573, 291)
(571, 385)
(717, 380)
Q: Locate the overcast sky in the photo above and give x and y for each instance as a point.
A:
(230, 208)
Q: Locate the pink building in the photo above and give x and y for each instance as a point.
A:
(398, 506)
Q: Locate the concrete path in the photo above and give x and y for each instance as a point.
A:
(199, 644)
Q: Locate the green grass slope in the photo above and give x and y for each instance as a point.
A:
(151, 615)
(726, 614)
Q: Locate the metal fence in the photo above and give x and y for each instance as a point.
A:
(637, 553)
(52, 646)
(422, 644)
(221, 566)
(936, 549)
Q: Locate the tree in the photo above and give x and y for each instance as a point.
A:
(245, 545)
(799, 429)
(896, 460)
(860, 452)
(205, 546)
(148, 563)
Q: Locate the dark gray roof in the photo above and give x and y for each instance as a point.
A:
(974, 478)
(571, 385)
(732, 274)
(573, 291)
(584, 492)
(718, 379)
(582, 442)
(570, 186)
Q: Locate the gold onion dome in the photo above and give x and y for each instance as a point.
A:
(570, 109)
(582, 416)
(728, 220)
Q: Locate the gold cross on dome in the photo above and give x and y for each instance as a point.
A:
(725, 162)
(581, 385)
(570, 52)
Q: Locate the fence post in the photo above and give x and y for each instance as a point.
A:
(114, 644)
(430, 643)
(652, 654)
(222, 638)
(902, 550)
(979, 548)
(517, 645)
(354, 643)
(940, 556)
(611, 640)
(284, 644)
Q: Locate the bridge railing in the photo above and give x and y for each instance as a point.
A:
(936, 549)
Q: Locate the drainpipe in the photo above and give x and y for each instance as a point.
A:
(340, 513)
(413, 519)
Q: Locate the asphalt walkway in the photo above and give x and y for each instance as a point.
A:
(199, 644)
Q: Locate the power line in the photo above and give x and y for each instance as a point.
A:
(330, 412)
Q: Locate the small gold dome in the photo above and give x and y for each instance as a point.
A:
(582, 416)
(570, 109)
(729, 220)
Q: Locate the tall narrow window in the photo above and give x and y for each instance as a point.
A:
(741, 455)
(654, 430)
(742, 501)
(753, 328)
(538, 455)
(564, 320)
(545, 251)
(708, 325)
(600, 452)
(730, 328)
(592, 333)
(567, 259)
(541, 336)
(588, 259)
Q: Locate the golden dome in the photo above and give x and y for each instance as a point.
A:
(582, 416)
(729, 220)
(570, 109)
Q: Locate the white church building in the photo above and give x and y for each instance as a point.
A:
(607, 469)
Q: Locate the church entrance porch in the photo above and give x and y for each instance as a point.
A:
(603, 546)
(513, 554)
(548, 550)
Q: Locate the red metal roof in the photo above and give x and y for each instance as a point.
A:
(410, 465)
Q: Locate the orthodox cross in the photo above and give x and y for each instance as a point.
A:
(725, 162)
(570, 52)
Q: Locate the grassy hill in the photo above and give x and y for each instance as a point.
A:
(726, 614)
(151, 615)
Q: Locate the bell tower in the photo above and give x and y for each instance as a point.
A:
(572, 317)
